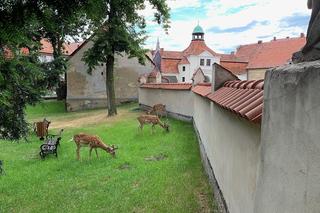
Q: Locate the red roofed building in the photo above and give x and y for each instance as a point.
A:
(249, 62)
(46, 52)
(254, 59)
(181, 66)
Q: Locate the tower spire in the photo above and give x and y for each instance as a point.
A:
(158, 44)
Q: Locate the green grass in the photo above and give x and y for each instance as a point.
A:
(127, 183)
(47, 108)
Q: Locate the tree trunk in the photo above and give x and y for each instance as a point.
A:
(111, 97)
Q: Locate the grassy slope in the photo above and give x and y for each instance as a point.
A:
(127, 183)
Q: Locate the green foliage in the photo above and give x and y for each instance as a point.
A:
(23, 79)
(123, 30)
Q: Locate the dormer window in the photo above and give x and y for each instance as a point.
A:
(208, 62)
(183, 68)
(201, 62)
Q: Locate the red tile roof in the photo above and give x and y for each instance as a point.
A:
(171, 54)
(202, 89)
(197, 47)
(69, 48)
(270, 54)
(168, 86)
(171, 59)
(262, 55)
(244, 98)
(237, 68)
(184, 61)
(170, 65)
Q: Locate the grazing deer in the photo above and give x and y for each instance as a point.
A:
(93, 142)
(152, 119)
(158, 109)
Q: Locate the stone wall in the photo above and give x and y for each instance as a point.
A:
(181, 107)
(273, 168)
(230, 144)
(289, 176)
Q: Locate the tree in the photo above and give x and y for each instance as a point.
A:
(121, 30)
(23, 79)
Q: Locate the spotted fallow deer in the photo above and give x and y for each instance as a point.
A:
(152, 119)
(158, 109)
(93, 142)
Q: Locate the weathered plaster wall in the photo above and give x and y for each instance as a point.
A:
(275, 168)
(289, 176)
(256, 74)
(232, 146)
(86, 91)
(176, 101)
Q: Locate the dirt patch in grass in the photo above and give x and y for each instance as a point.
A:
(204, 202)
(125, 166)
(91, 119)
(156, 157)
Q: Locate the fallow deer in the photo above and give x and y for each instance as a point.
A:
(93, 142)
(152, 119)
(158, 109)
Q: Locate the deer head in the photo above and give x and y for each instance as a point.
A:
(112, 150)
(166, 126)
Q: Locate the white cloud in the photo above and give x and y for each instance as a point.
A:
(224, 14)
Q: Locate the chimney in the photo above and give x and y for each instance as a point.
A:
(302, 35)
(274, 38)
(260, 42)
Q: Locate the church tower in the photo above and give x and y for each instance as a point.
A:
(198, 33)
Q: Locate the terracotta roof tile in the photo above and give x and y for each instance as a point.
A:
(171, 54)
(169, 65)
(244, 98)
(168, 86)
(46, 47)
(184, 61)
(236, 68)
(197, 47)
(270, 54)
(202, 89)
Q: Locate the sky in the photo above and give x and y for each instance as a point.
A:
(228, 23)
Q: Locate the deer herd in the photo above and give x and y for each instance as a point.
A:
(93, 142)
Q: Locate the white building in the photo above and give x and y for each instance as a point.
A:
(181, 66)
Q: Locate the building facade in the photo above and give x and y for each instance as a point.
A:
(181, 66)
(88, 91)
(248, 62)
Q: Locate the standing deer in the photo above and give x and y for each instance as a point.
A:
(158, 109)
(93, 142)
(152, 119)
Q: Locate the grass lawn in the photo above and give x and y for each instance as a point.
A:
(158, 172)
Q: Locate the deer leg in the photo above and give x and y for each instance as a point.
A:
(152, 128)
(78, 152)
(96, 152)
(90, 151)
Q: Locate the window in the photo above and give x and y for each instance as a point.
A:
(183, 79)
(183, 68)
(202, 62)
(208, 62)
